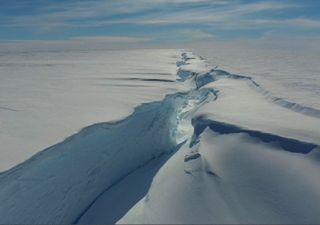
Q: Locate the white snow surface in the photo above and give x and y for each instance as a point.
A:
(46, 96)
(292, 72)
(209, 147)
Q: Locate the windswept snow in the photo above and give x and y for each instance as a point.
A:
(206, 146)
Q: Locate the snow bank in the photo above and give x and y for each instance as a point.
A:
(239, 104)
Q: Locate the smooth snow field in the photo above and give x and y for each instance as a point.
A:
(152, 137)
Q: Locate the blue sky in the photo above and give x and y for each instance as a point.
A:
(158, 21)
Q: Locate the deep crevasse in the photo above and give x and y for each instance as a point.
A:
(99, 174)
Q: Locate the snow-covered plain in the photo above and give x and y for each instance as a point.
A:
(206, 146)
(47, 96)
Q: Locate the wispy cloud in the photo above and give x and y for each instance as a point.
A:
(299, 22)
(213, 15)
(100, 13)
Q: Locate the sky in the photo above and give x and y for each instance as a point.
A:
(156, 21)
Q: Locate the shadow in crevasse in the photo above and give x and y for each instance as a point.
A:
(288, 144)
